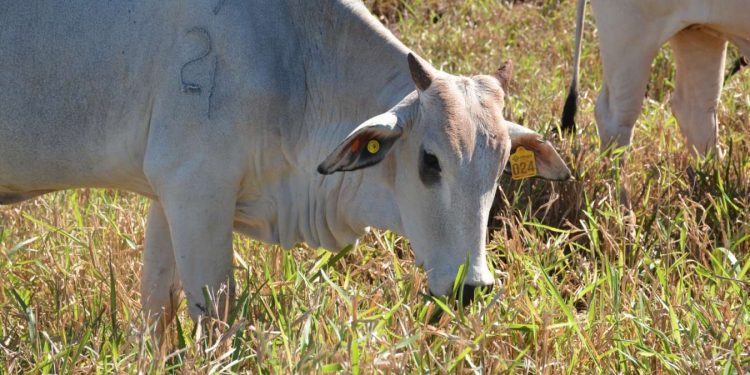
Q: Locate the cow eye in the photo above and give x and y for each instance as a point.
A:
(429, 168)
(431, 161)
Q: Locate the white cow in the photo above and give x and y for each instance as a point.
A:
(630, 35)
(222, 112)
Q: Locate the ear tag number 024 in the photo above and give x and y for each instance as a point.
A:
(522, 164)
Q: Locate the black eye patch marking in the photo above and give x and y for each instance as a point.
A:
(429, 168)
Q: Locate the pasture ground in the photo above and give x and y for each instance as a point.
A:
(581, 290)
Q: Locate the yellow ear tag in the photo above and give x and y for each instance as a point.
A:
(522, 164)
(373, 146)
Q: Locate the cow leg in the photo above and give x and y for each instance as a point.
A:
(700, 61)
(200, 214)
(627, 53)
(160, 283)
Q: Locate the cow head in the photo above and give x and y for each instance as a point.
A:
(446, 146)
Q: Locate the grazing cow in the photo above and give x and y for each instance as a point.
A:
(630, 35)
(289, 121)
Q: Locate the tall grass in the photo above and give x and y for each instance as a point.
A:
(583, 286)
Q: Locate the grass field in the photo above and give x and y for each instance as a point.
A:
(580, 289)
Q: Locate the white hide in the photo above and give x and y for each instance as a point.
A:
(631, 32)
(221, 115)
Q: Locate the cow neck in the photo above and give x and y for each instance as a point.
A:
(353, 64)
(355, 69)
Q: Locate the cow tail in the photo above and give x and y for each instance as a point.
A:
(741, 62)
(571, 103)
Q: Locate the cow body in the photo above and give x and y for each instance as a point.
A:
(99, 102)
(221, 112)
(630, 35)
(88, 89)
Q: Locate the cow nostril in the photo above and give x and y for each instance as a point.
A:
(469, 292)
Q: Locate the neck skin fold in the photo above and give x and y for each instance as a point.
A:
(354, 69)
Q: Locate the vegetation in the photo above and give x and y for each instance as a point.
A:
(584, 286)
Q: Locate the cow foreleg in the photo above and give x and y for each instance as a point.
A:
(700, 61)
(160, 283)
(200, 211)
(626, 53)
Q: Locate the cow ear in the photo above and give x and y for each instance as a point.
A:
(367, 145)
(421, 72)
(504, 74)
(549, 164)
